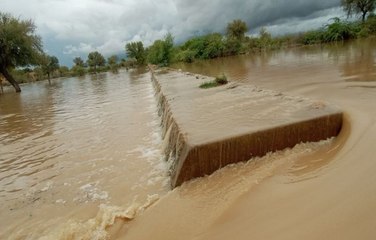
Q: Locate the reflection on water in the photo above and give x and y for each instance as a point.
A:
(359, 62)
(356, 61)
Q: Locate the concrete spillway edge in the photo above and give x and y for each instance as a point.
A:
(189, 160)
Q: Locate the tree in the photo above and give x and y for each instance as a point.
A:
(136, 50)
(95, 59)
(49, 65)
(64, 71)
(237, 29)
(19, 46)
(112, 60)
(78, 62)
(161, 51)
(112, 63)
(78, 70)
(362, 7)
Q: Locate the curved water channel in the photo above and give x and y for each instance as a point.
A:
(81, 158)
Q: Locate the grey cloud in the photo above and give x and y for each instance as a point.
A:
(213, 15)
(106, 25)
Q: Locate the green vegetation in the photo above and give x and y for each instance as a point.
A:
(19, 46)
(49, 65)
(236, 29)
(113, 63)
(135, 50)
(221, 80)
(78, 62)
(160, 52)
(95, 61)
(218, 81)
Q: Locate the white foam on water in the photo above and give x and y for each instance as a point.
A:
(97, 228)
(91, 193)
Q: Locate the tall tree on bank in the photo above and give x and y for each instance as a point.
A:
(113, 63)
(236, 29)
(362, 7)
(161, 51)
(136, 50)
(19, 46)
(78, 62)
(79, 67)
(95, 59)
(49, 65)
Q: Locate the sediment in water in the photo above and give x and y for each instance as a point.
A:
(207, 129)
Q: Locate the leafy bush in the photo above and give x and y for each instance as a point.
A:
(204, 47)
(160, 52)
(221, 80)
(187, 56)
(340, 31)
(232, 47)
(78, 70)
(218, 81)
(210, 84)
(369, 26)
(311, 37)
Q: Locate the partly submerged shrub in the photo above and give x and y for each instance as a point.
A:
(340, 31)
(221, 79)
(218, 81)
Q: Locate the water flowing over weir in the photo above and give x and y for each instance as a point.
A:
(205, 130)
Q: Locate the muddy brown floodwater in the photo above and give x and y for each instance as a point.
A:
(82, 159)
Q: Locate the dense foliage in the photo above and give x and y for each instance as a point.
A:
(136, 51)
(49, 65)
(78, 62)
(95, 60)
(236, 29)
(161, 51)
(19, 45)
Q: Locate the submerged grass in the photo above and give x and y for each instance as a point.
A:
(210, 84)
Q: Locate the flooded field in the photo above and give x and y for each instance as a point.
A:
(79, 159)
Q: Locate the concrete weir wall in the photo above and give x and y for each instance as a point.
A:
(206, 129)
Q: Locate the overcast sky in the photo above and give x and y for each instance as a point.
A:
(71, 28)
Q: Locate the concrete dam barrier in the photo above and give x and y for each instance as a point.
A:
(207, 129)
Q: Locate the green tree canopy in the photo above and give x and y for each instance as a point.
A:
(78, 61)
(362, 7)
(161, 51)
(77, 70)
(95, 59)
(203, 47)
(112, 63)
(236, 29)
(19, 45)
(136, 50)
(113, 60)
(49, 65)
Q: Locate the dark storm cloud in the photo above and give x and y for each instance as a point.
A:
(213, 15)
